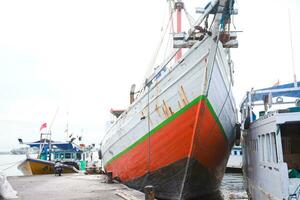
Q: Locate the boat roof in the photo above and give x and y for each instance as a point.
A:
(275, 90)
(64, 146)
(285, 90)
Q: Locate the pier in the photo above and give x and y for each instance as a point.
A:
(71, 186)
(80, 186)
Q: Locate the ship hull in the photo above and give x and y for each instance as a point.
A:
(178, 136)
(38, 167)
(167, 181)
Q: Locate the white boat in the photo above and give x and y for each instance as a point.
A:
(271, 142)
(235, 161)
(24, 150)
(177, 133)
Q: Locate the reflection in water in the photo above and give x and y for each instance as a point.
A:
(232, 188)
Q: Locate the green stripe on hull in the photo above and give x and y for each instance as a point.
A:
(216, 117)
(168, 120)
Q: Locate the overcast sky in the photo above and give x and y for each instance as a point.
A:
(82, 56)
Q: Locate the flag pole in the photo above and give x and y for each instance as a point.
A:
(50, 133)
(292, 49)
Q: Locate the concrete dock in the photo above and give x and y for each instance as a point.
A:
(71, 186)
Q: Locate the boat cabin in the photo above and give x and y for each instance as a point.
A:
(65, 152)
(271, 142)
(57, 150)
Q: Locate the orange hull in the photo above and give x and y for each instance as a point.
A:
(187, 136)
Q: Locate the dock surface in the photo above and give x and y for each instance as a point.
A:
(71, 186)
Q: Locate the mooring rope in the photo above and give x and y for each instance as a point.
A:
(13, 164)
(7, 164)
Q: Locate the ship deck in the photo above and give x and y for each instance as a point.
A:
(71, 186)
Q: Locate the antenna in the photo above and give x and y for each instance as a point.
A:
(54, 117)
(292, 49)
(67, 127)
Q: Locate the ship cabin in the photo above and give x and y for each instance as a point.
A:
(271, 142)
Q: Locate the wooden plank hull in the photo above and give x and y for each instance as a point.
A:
(38, 167)
(177, 136)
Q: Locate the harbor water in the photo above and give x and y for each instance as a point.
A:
(9, 163)
(232, 187)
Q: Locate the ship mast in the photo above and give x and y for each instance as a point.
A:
(50, 132)
(179, 5)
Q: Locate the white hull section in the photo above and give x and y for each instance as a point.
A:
(267, 157)
(235, 160)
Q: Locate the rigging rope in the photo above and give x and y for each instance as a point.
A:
(152, 62)
(189, 17)
(168, 46)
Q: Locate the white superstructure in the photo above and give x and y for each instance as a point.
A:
(271, 143)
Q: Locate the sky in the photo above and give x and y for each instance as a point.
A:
(79, 58)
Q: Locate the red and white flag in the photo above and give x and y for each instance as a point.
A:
(44, 125)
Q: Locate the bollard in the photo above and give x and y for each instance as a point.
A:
(109, 177)
(149, 192)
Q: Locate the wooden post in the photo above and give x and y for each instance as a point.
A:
(149, 192)
(109, 177)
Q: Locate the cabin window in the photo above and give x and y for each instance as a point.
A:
(235, 153)
(78, 156)
(274, 147)
(67, 155)
(262, 146)
(268, 147)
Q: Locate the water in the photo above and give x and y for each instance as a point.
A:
(9, 163)
(232, 187)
